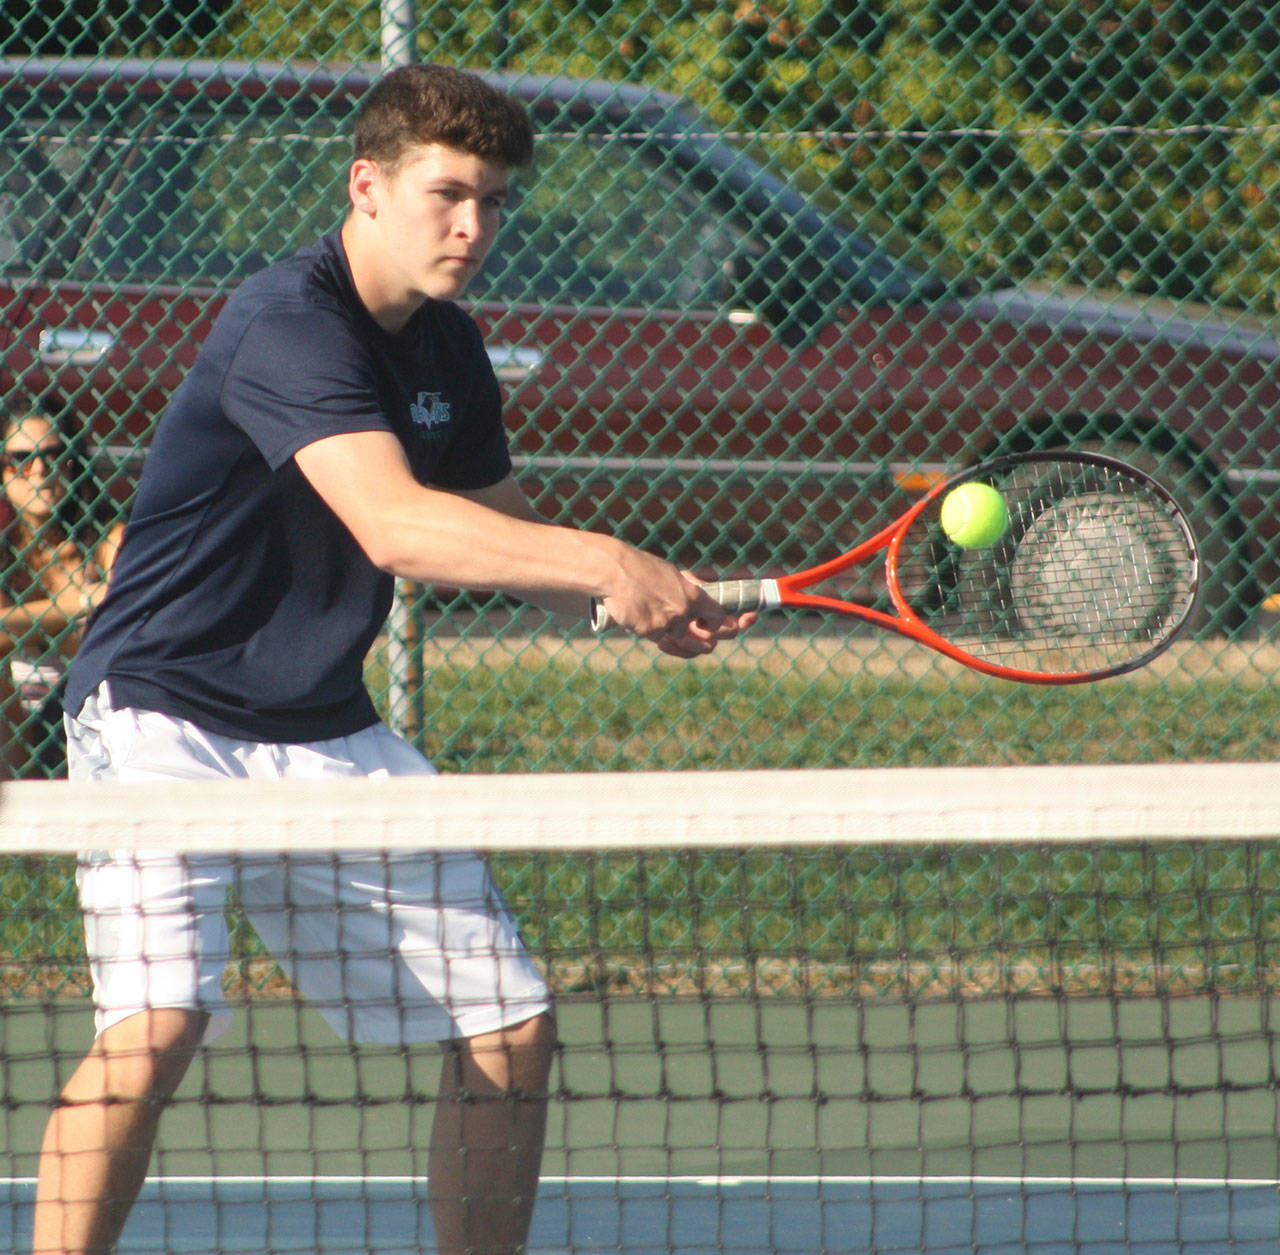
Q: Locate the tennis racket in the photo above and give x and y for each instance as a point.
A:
(1095, 573)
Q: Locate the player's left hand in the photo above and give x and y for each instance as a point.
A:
(704, 630)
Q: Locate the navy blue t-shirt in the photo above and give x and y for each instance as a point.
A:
(238, 599)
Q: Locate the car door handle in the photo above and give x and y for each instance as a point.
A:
(74, 346)
(512, 364)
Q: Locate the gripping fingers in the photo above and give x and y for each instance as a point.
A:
(736, 596)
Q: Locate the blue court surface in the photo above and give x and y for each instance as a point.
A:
(699, 1216)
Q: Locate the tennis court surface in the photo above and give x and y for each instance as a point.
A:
(944, 1010)
(698, 1217)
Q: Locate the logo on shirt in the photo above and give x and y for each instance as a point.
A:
(429, 413)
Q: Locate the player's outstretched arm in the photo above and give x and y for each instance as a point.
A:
(492, 539)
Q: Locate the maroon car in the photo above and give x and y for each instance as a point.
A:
(694, 353)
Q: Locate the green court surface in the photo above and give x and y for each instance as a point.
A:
(1029, 1087)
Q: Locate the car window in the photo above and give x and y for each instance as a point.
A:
(30, 184)
(48, 180)
(207, 198)
(604, 221)
(220, 197)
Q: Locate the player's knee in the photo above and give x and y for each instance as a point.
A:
(144, 1056)
(527, 1050)
(540, 1031)
(537, 1039)
(514, 1059)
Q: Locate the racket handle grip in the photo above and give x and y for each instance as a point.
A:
(736, 596)
(739, 596)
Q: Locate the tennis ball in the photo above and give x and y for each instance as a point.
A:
(973, 515)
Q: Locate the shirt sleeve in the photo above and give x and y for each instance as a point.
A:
(298, 376)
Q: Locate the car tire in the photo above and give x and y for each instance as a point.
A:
(1224, 604)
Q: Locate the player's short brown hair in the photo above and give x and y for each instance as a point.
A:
(436, 104)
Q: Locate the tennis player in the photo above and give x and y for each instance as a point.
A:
(340, 428)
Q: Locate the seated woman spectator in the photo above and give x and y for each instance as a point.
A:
(54, 559)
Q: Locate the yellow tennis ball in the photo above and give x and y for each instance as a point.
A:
(974, 516)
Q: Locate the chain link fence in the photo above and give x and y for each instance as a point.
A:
(776, 267)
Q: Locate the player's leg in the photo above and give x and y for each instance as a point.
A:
(156, 937)
(486, 1140)
(99, 1138)
(155, 933)
(403, 949)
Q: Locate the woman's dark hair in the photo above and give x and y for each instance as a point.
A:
(83, 513)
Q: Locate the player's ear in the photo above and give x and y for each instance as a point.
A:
(362, 183)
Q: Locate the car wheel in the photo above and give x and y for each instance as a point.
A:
(1224, 602)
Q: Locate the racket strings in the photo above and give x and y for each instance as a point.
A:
(1094, 571)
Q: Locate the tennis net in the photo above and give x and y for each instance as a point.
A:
(1017, 1008)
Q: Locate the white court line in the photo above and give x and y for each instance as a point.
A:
(721, 1182)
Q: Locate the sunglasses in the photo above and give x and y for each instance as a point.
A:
(22, 459)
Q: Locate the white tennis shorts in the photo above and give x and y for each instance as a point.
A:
(387, 948)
